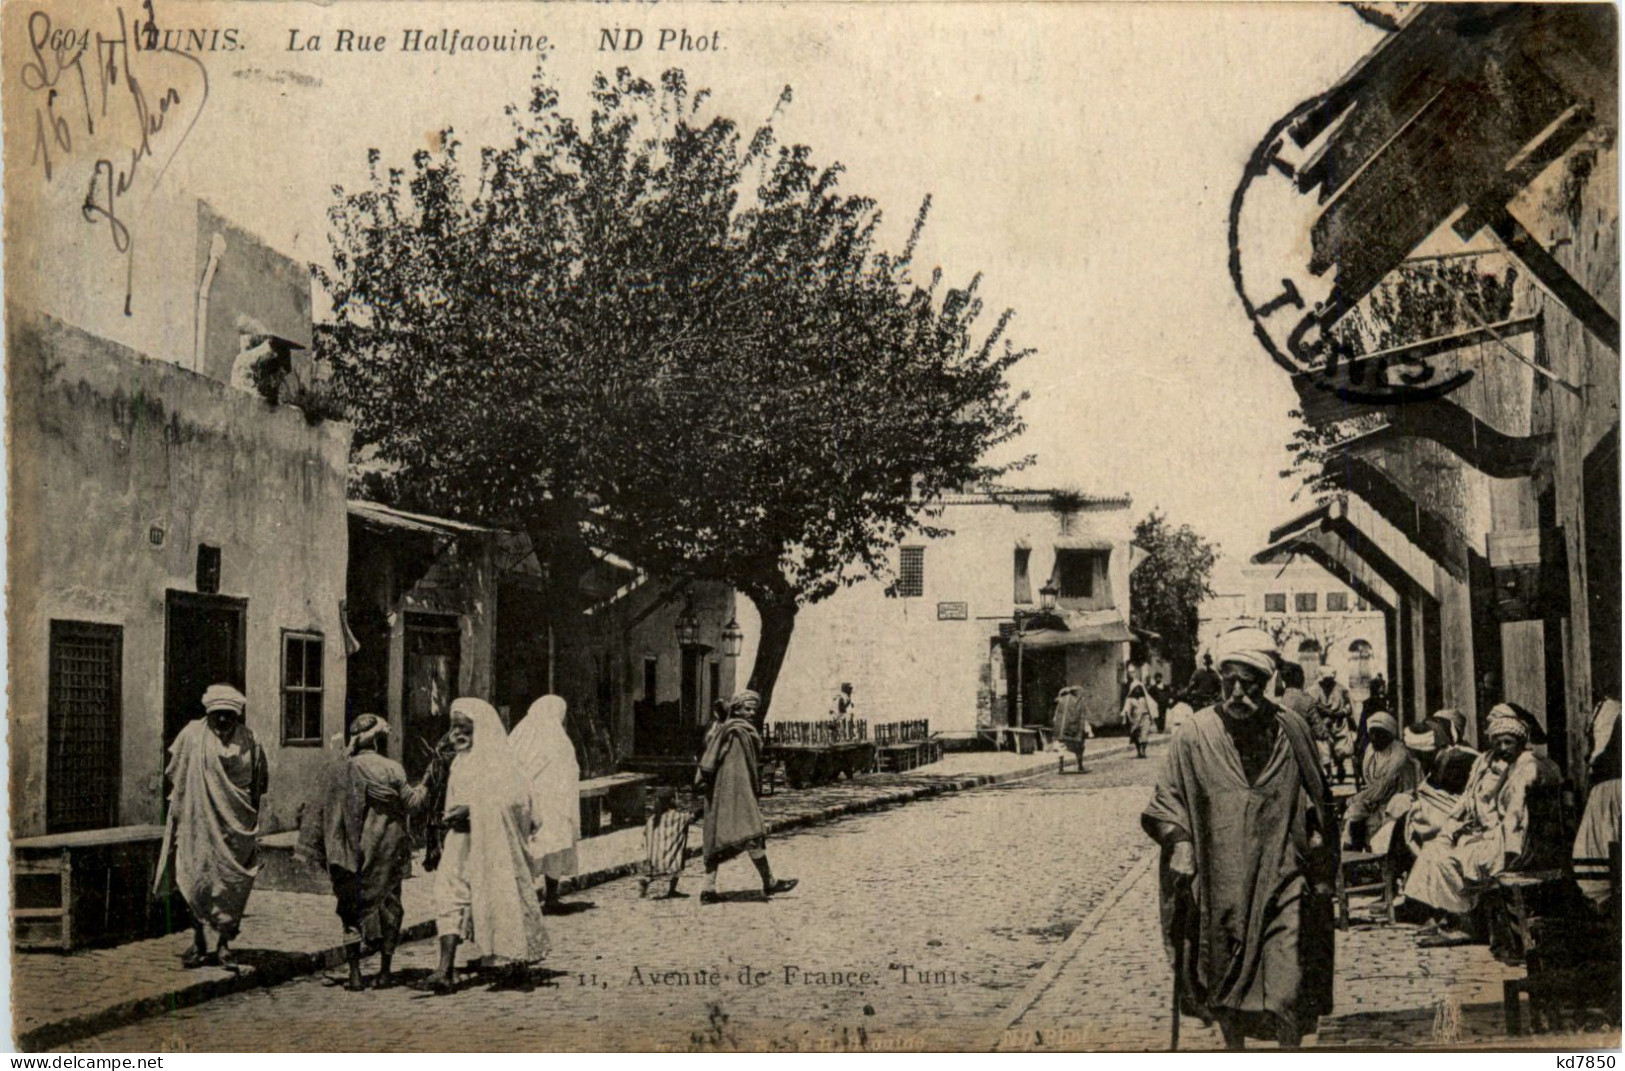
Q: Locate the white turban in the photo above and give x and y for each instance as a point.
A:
(1249, 647)
(1384, 721)
(224, 697)
(1504, 721)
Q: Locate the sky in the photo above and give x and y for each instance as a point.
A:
(1081, 157)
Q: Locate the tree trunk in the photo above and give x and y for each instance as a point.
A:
(777, 609)
(555, 535)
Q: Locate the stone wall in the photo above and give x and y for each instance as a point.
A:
(120, 467)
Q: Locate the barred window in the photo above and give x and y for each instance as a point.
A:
(301, 687)
(83, 722)
(911, 572)
(1337, 602)
(1306, 602)
(1275, 603)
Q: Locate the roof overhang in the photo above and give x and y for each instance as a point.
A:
(387, 517)
(1083, 628)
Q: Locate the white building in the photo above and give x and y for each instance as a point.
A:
(1315, 619)
(941, 646)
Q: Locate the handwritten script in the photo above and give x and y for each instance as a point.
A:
(104, 99)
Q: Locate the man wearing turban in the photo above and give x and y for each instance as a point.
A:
(1387, 770)
(730, 779)
(356, 829)
(217, 775)
(1249, 854)
(1490, 831)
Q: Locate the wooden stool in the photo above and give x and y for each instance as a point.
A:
(1384, 886)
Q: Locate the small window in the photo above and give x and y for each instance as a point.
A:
(1275, 603)
(1306, 602)
(1337, 602)
(1360, 603)
(301, 688)
(911, 572)
(1024, 584)
(1075, 574)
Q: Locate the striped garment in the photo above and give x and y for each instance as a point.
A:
(665, 840)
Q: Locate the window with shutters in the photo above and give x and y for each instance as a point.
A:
(1275, 602)
(1337, 602)
(1305, 602)
(83, 718)
(911, 572)
(1024, 584)
(301, 687)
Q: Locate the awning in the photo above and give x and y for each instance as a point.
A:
(1081, 542)
(388, 517)
(1083, 627)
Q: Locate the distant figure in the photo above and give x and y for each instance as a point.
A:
(1140, 715)
(842, 707)
(1202, 690)
(1071, 722)
(547, 758)
(1377, 701)
(218, 776)
(356, 830)
(1249, 856)
(1294, 698)
(730, 778)
(1335, 711)
(1160, 695)
(665, 843)
(483, 888)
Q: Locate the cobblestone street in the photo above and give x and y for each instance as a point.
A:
(912, 928)
(1018, 917)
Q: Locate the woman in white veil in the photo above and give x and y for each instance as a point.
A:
(547, 758)
(484, 890)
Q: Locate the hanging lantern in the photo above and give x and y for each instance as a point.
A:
(688, 627)
(732, 638)
(1046, 597)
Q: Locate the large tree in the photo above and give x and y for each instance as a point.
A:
(1169, 585)
(650, 332)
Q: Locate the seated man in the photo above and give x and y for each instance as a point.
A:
(1488, 833)
(1388, 770)
(1413, 818)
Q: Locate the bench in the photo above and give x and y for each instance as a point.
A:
(623, 795)
(1022, 741)
(69, 890)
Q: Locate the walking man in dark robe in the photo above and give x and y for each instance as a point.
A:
(730, 779)
(1249, 855)
(356, 828)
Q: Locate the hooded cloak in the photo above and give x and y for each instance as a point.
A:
(501, 915)
(545, 754)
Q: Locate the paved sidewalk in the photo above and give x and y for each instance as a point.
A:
(1110, 987)
(58, 999)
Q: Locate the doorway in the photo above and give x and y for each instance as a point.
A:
(204, 644)
(429, 681)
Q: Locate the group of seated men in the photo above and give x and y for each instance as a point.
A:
(1453, 820)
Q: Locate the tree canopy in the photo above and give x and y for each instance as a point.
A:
(1170, 584)
(646, 326)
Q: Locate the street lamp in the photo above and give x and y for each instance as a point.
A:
(733, 637)
(688, 626)
(1046, 597)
